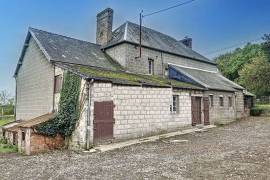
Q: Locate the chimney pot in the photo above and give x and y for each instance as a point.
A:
(187, 42)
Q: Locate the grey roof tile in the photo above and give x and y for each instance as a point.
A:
(129, 32)
(69, 50)
(210, 80)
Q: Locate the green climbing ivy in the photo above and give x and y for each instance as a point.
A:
(65, 120)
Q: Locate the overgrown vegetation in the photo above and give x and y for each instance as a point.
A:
(7, 148)
(249, 66)
(260, 109)
(134, 79)
(6, 119)
(68, 114)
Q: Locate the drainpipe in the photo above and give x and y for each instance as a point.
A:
(88, 120)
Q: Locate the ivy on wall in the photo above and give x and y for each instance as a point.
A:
(65, 120)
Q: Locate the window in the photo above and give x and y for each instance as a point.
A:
(174, 108)
(211, 97)
(23, 136)
(150, 66)
(230, 101)
(57, 83)
(221, 101)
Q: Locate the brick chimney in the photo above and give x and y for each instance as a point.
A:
(187, 42)
(104, 26)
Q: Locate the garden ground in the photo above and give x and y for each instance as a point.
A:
(240, 150)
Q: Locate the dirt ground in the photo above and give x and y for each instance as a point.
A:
(240, 150)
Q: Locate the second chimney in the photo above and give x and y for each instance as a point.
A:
(187, 42)
(104, 26)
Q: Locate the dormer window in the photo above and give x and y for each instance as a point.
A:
(150, 66)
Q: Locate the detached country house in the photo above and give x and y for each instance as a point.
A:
(128, 90)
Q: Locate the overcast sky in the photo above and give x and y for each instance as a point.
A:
(213, 24)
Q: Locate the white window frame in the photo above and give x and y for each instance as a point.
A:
(174, 107)
(211, 100)
(150, 66)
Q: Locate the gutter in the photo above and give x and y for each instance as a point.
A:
(88, 119)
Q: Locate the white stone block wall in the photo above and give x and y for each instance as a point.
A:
(142, 111)
(35, 84)
(240, 104)
(219, 113)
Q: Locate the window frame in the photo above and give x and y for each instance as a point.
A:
(174, 107)
(230, 102)
(211, 100)
(150, 66)
(221, 101)
(58, 79)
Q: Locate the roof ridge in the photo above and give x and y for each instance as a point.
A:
(35, 29)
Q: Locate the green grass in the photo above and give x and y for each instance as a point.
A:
(6, 120)
(263, 106)
(7, 148)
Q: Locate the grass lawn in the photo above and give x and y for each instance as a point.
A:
(6, 120)
(263, 106)
(7, 148)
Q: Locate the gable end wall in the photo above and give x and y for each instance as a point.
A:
(35, 84)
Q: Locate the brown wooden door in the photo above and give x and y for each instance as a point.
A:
(196, 110)
(103, 121)
(206, 110)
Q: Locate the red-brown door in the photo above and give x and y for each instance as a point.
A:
(196, 110)
(206, 110)
(103, 121)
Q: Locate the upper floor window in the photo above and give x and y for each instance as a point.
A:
(57, 83)
(174, 108)
(221, 101)
(230, 101)
(150, 66)
(211, 97)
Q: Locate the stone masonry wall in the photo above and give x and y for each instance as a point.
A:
(240, 104)
(138, 112)
(35, 84)
(219, 113)
(127, 55)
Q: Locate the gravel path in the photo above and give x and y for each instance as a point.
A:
(240, 150)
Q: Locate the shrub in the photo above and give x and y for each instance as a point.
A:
(3, 141)
(256, 111)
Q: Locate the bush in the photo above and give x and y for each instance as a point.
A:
(3, 141)
(256, 112)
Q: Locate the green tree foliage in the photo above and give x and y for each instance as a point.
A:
(68, 114)
(266, 45)
(255, 76)
(248, 66)
(230, 63)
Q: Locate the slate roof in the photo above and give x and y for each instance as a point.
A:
(60, 48)
(129, 32)
(125, 78)
(209, 79)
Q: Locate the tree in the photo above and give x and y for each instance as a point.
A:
(231, 63)
(266, 45)
(4, 97)
(256, 76)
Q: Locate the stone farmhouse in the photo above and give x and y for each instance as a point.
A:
(129, 90)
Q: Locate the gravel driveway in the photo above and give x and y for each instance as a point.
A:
(240, 150)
